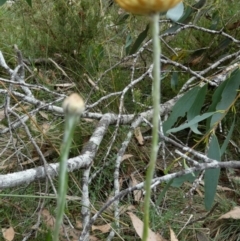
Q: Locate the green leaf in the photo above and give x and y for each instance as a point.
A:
(163, 192)
(220, 48)
(191, 123)
(196, 108)
(180, 108)
(2, 2)
(122, 19)
(29, 2)
(48, 235)
(215, 99)
(199, 4)
(212, 175)
(128, 43)
(141, 37)
(226, 141)
(190, 177)
(198, 103)
(187, 16)
(175, 13)
(174, 80)
(227, 97)
(215, 20)
(184, 19)
(95, 54)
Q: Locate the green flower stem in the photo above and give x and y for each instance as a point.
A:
(70, 123)
(156, 111)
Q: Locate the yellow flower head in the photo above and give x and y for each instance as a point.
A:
(147, 6)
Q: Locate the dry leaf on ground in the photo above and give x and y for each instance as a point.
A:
(234, 214)
(43, 114)
(2, 115)
(34, 123)
(8, 233)
(173, 235)
(45, 127)
(103, 228)
(136, 193)
(48, 219)
(201, 236)
(126, 156)
(125, 208)
(138, 135)
(138, 226)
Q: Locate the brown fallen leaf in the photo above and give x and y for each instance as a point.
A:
(138, 135)
(201, 236)
(136, 193)
(125, 208)
(45, 127)
(34, 159)
(48, 219)
(92, 238)
(103, 228)
(2, 115)
(138, 226)
(173, 235)
(8, 233)
(234, 214)
(34, 123)
(126, 156)
(43, 114)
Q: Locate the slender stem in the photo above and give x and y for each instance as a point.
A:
(70, 123)
(156, 111)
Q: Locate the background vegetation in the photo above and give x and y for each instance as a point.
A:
(97, 50)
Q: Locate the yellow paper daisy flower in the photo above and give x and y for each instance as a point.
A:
(147, 6)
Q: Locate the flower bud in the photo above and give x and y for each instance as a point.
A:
(73, 105)
(147, 6)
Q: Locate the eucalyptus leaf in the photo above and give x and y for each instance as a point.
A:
(174, 80)
(184, 19)
(186, 16)
(163, 192)
(195, 130)
(211, 176)
(128, 43)
(2, 2)
(180, 108)
(227, 97)
(199, 4)
(196, 108)
(122, 19)
(141, 37)
(29, 2)
(175, 13)
(215, 20)
(191, 123)
(216, 97)
(190, 177)
(226, 141)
